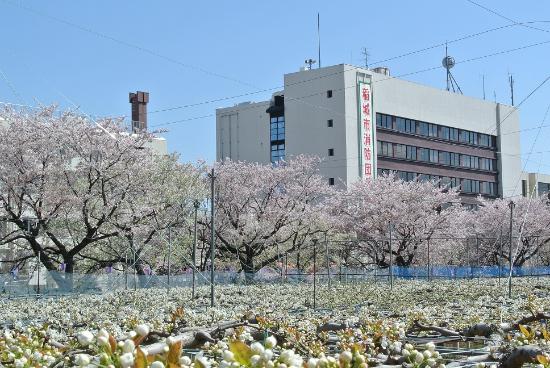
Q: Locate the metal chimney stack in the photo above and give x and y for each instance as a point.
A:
(139, 102)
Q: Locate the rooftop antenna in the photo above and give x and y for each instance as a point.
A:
(483, 76)
(365, 56)
(448, 63)
(511, 81)
(309, 63)
(318, 39)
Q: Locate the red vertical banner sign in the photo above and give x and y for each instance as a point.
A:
(367, 139)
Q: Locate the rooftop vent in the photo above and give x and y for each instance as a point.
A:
(382, 70)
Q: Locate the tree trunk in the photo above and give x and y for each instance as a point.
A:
(69, 270)
(247, 264)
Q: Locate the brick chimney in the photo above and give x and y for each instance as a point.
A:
(139, 102)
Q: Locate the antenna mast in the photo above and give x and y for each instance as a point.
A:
(511, 80)
(366, 56)
(448, 62)
(318, 38)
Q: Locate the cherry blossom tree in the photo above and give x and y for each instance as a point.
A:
(68, 185)
(412, 211)
(491, 224)
(262, 208)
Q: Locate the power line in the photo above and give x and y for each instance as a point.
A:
(339, 72)
(11, 86)
(127, 44)
(473, 35)
(505, 17)
(381, 80)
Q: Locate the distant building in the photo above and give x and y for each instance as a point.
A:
(365, 123)
(139, 101)
(535, 184)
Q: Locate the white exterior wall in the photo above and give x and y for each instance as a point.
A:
(242, 133)
(307, 110)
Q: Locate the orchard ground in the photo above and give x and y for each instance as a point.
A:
(415, 324)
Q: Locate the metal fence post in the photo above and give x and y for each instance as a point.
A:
(512, 204)
(169, 254)
(328, 261)
(428, 259)
(194, 255)
(391, 259)
(314, 273)
(213, 240)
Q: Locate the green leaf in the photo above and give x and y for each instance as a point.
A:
(241, 351)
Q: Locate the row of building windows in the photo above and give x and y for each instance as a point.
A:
(464, 185)
(454, 159)
(277, 131)
(434, 130)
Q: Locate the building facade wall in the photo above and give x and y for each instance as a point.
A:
(312, 98)
(242, 133)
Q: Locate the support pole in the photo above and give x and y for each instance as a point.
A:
(500, 257)
(194, 255)
(512, 204)
(429, 273)
(38, 267)
(212, 236)
(135, 268)
(328, 261)
(314, 273)
(391, 257)
(169, 255)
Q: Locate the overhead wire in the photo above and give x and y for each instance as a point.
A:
(505, 17)
(127, 44)
(240, 108)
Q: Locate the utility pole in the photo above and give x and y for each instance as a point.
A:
(196, 204)
(511, 205)
(169, 255)
(328, 260)
(314, 274)
(428, 259)
(212, 235)
(391, 257)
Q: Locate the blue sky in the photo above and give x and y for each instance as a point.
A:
(93, 53)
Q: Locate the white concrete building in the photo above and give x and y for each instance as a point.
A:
(535, 184)
(365, 122)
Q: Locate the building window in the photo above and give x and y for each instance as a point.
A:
(423, 128)
(384, 121)
(444, 158)
(444, 133)
(424, 154)
(411, 153)
(277, 138)
(455, 159)
(543, 188)
(330, 123)
(453, 134)
(434, 156)
(329, 93)
(331, 151)
(330, 181)
(400, 151)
